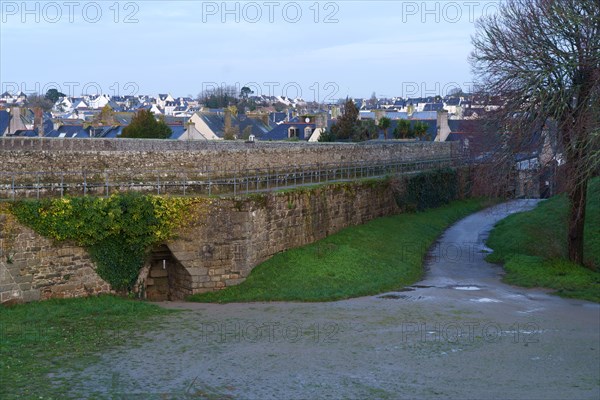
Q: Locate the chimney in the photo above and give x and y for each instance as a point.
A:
(227, 120)
(16, 123)
(321, 120)
(443, 130)
(38, 120)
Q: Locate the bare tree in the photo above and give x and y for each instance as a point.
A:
(543, 58)
(35, 100)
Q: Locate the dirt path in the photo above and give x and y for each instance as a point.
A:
(459, 334)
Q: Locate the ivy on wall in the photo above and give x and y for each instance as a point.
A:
(8, 234)
(426, 190)
(116, 231)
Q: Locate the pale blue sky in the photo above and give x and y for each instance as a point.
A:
(393, 48)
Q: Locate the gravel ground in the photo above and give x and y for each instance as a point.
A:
(459, 334)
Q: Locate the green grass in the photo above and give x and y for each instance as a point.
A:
(533, 247)
(382, 255)
(43, 337)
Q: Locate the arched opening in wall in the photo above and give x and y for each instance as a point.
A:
(167, 278)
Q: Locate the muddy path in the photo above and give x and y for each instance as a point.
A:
(458, 334)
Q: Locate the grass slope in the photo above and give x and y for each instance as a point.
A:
(533, 247)
(384, 254)
(42, 337)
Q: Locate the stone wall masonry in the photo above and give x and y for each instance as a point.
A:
(33, 267)
(226, 239)
(64, 155)
(236, 235)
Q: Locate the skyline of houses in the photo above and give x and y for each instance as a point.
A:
(453, 118)
(274, 117)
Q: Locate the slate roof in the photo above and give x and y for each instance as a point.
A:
(280, 132)
(479, 134)
(366, 114)
(396, 115)
(215, 121)
(26, 133)
(4, 121)
(99, 131)
(177, 131)
(433, 107)
(276, 117)
(69, 131)
(113, 132)
(257, 127)
(453, 101)
(424, 115)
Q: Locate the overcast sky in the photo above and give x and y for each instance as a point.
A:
(315, 50)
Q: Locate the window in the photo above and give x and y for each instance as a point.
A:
(293, 132)
(308, 132)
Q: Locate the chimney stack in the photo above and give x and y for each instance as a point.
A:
(16, 123)
(443, 130)
(227, 120)
(38, 120)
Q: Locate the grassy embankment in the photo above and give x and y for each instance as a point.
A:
(382, 255)
(43, 337)
(532, 246)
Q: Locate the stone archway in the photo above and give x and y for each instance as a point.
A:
(167, 279)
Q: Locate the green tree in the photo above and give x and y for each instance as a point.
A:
(420, 129)
(145, 126)
(366, 130)
(245, 92)
(403, 130)
(384, 124)
(348, 124)
(327, 136)
(53, 95)
(543, 58)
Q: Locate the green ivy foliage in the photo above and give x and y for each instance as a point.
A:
(116, 230)
(427, 190)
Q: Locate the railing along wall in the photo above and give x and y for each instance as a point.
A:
(203, 182)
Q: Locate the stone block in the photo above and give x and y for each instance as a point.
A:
(158, 273)
(23, 279)
(186, 255)
(31, 295)
(233, 282)
(197, 271)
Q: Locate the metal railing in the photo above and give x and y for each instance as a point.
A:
(203, 182)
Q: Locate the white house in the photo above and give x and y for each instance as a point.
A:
(155, 110)
(191, 133)
(170, 107)
(200, 124)
(98, 101)
(162, 100)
